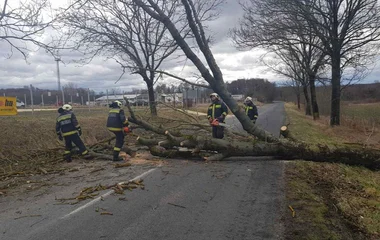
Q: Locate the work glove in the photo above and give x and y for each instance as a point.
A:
(79, 131)
(60, 137)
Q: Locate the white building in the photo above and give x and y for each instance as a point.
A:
(170, 97)
(238, 97)
(110, 98)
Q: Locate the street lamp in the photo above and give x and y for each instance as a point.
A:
(57, 59)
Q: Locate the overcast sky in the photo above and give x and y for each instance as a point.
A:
(40, 68)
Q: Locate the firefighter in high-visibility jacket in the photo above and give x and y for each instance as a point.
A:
(116, 123)
(216, 113)
(250, 109)
(68, 129)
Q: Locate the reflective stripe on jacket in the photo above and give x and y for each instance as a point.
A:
(251, 111)
(217, 110)
(116, 120)
(66, 124)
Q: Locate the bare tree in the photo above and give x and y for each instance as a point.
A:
(211, 73)
(71, 88)
(285, 63)
(22, 25)
(347, 29)
(124, 32)
(266, 24)
(295, 85)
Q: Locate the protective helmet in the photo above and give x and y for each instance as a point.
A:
(248, 99)
(117, 104)
(67, 107)
(214, 95)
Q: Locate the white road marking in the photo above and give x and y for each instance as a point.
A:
(106, 194)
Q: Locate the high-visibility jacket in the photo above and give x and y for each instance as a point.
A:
(251, 111)
(218, 110)
(116, 120)
(67, 124)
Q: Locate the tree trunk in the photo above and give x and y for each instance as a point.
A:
(290, 150)
(307, 99)
(335, 93)
(152, 100)
(298, 100)
(247, 124)
(314, 103)
(216, 80)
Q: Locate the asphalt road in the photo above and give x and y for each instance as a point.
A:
(181, 200)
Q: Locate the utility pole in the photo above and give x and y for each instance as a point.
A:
(59, 80)
(88, 96)
(31, 98)
(107, 97)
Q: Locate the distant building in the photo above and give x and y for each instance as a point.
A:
(170, 97)
(238, 97)
(102, 101)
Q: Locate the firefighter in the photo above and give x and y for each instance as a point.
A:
(250, 109)
(68, 129)
(117, 123)
(216, 113)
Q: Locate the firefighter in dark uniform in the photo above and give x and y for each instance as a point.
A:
(250, 109)
(67, 128)
(217, 111)
(115, 123)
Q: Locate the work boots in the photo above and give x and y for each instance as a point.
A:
(68, 158)
(116, 157)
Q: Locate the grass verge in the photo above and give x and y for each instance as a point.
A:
(331, 201)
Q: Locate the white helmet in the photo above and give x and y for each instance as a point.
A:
(214, 95)
(67, 107)
(118, 103)
(248, 99)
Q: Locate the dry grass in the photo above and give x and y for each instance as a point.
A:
(353, 129)
(333, 201)
(29, 144)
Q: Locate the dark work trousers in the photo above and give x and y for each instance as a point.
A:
(77, 141)
(119, 143)
(217, 132)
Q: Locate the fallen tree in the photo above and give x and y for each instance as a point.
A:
(201, 146)
(178, 142)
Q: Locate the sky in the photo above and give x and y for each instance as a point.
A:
(40, 69)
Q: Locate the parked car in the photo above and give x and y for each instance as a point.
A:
(20, 104)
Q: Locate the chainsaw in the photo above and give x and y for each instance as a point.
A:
(216, 123)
